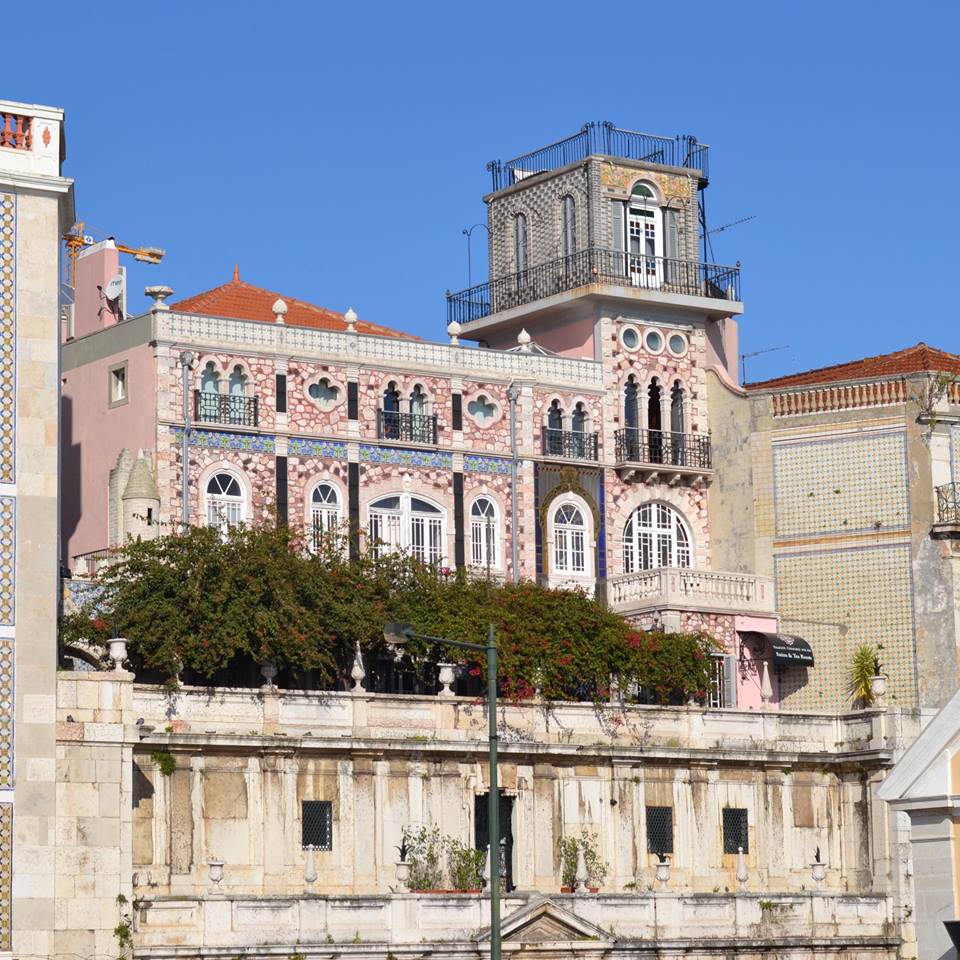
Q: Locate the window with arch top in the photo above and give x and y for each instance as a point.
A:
(224, 501)
(484, 534)
(569, 539)
(655, 536)
(407, 522)
(325, 512)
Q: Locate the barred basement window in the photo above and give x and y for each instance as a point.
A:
(660, 829)
(735, 832)
(317, 824)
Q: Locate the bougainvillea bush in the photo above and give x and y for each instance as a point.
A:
(199, 603)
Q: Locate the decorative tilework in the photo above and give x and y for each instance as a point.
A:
(6, 713)
(324, 449)
(473, 463)
(8, 334)
(838, 600)
(955, 453)
(6, 873)
(254, 442)
(406, 458)
(8, 513)
(842, 485)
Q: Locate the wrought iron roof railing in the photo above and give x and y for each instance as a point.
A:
(948, 503)
(606, 139)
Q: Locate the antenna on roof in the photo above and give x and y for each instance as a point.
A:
(733, 223)
(756, 353)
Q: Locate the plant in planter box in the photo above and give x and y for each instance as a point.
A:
(570, 847)
(464, 865)
(424, 850)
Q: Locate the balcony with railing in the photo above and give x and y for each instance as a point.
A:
(407, 427)
(947, 524)
(604, 139)
(235, 411)
(570, 444)
(16, 131)
(654, 452)
(685, 588)
(595, 265)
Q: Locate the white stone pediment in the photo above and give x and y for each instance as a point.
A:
(546, 922)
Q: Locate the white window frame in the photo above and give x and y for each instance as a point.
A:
(647, 543)
(485, 538)
(118, 385)
(566, 543)
(424, 535)
(325, 516)
(644, 222)
(222, 510)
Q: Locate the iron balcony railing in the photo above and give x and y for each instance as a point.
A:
(224, 408)
(571, 444)
(411, 427)
(608, 140)
(594, 265)
(635, 445)
(948, 503)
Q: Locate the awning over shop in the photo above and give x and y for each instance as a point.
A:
(786, 648)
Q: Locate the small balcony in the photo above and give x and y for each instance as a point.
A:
(570, 444)
(407, 427)
(684, 588)
(947, 524)
(595, 265)
(235, 411)
(646, 454)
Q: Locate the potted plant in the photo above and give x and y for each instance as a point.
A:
(570, 851)
(464, 866)
(403, 868)
(867, 683)
(424, 848)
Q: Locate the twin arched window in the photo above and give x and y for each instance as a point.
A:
(655, 536)
(484, 534)
(225, 502)
(407, 522)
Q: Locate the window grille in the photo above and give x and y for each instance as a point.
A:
(660, 829)
(317, 825)
(717, 694)
(735, 832)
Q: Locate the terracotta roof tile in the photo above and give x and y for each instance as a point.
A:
(916, 359)
(240, 300)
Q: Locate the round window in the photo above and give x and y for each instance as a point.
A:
(630, 338)
(653, 341)
(677, 344)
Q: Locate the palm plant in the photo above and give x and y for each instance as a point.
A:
(863, 668)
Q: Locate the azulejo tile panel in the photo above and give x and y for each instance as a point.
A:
(8, 321)
(6, 873)
(955, 453)
(842, 485)
(323, 449)
(436, 459)
(838, 600)
(6, 713)
(8, 514)
(221, 440)
(474, 463)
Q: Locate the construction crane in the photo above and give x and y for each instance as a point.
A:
(76, 240)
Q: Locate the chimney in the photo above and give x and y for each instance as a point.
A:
(97, 265)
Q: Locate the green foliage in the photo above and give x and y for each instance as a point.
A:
(596, 866)
(464, 865)
(424, 849)
(195, 600)
(864, 666)
(164, 760)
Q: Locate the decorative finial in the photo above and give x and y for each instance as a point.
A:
(453, 329)
(159, 293)
(279, 310)
(351, 317)
(523, 338)
(236, 272)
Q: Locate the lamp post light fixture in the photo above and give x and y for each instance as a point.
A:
(396, 635)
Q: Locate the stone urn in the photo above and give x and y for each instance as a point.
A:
(403, 873)
(357, 672)
(663, 873)
(446, 676)
(310, 870)
(118, 652)
(269, 672)
(215, 868)
(582, 876)
(818, 872)
(878, 687)
(742, 875)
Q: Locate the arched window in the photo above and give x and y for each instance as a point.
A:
(569, 540)
(210, 378)
(580, 424)
(677, 448)
(644, 237)
(569, 238)
(324, 393)
(224, 501)
(484, 534)
(555, 416)
(655, 536)
(324, 512)
(407, 522)
(655, 421)
(520, 247)
(553, 433)
(208, 403)
(237, 386)
(418, 401)
(391, 398)
(631, 401)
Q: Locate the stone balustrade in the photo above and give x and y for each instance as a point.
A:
(682, 588)
(450, 923)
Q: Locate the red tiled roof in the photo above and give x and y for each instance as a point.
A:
(240, 300)
(917, 359)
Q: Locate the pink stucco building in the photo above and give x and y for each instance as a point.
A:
(566, 427)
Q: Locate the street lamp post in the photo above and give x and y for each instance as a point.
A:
(396, 635)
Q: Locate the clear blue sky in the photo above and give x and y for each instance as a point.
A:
(336, 151)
